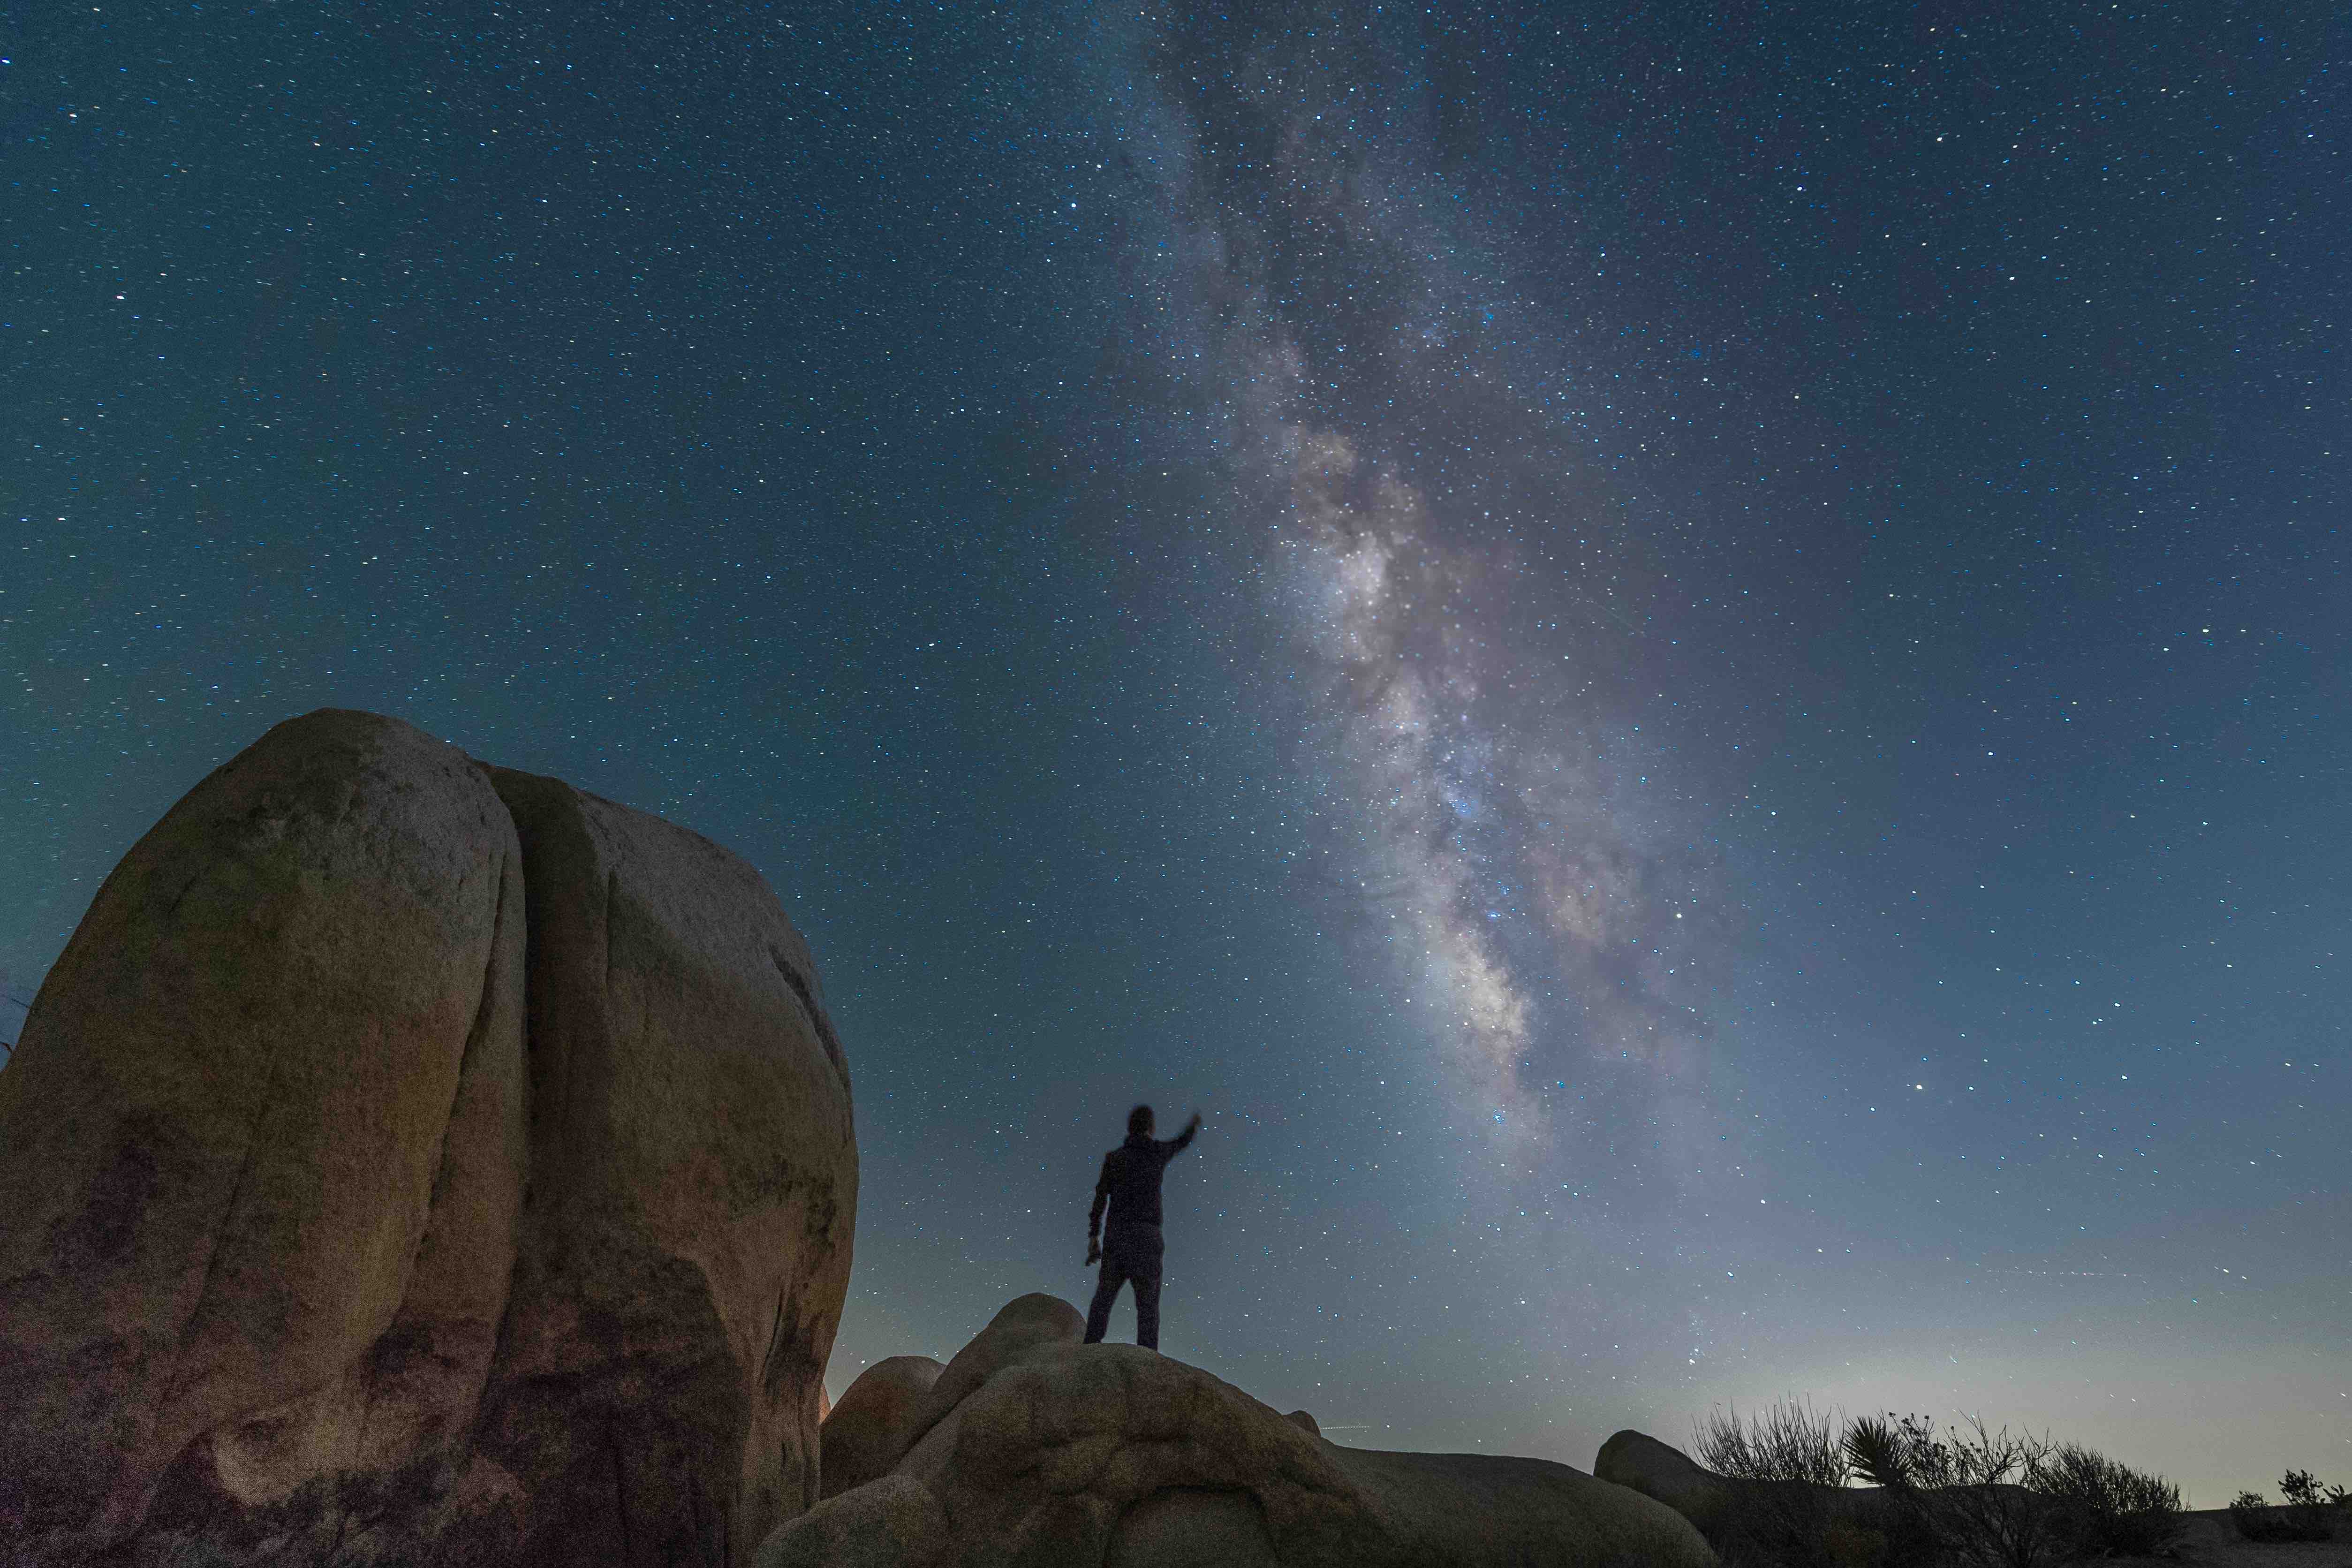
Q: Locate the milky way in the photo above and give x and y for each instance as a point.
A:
(1447, 579)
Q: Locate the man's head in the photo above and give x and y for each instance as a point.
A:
(1139, 1122)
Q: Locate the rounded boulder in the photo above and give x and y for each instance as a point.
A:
(1024, 1326)
(873, 1427)
(260, 1144)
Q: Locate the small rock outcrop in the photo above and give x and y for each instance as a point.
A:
(410, 1161)
(1077, 1455)
(1023, 1324)
(1491, 1509)
(874, 1424)
(1752, 1518)
(1660, 1470)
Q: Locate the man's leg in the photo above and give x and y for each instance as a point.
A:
(1106, 1293)
(1144, 1269)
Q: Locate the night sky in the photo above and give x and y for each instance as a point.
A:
(1689, 666)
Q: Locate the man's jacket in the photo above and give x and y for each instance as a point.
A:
(1131, 1179)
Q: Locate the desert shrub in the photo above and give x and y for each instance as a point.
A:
(2314, 1507)
(1781, 1463)
(1790, 1441)
(2310, 1512)
(2256, 1519)
(2101, 1507)
(1966, 1496)
(2301, 1489)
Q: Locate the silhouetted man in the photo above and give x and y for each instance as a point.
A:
(1131, 1244)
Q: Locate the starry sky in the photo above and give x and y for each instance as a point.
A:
(1687, 663)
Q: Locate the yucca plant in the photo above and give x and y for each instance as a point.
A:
(1900, 1453)
(1966, 1496)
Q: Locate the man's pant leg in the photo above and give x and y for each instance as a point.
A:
(1140, 1252)
(1147, 1307)
(1106, 1293)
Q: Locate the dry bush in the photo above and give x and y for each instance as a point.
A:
(1779, 1463)
(1790, 1442)
(1965, 1496)
(2310, 1512)
(2102, 1508)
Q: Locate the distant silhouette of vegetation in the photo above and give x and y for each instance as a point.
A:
(1969, 1495)
(2310, 1512)
(2108, 1509)
(1789, 1442)
(1789, 1462)
(1966, 1497)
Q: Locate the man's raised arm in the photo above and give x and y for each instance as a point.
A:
(1178, 1144)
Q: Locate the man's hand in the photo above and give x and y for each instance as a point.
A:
(1196, 1122)
(1094, 1252)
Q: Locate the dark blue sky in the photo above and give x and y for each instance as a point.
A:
(1687, 665)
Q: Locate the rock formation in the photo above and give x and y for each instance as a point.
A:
(408, 1161)
(1074, 1455)
(1025, 1324)
(686, 1243)
(262, 1135)
(874, 1425)
(411, 1162)
(1659, 1470)
(1760, 1519)
(890, 1522)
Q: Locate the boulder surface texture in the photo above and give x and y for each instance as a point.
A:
(1021, 1326)
(874, 1424)
(1070, 1455)
(411, 1162)
(892, 1522)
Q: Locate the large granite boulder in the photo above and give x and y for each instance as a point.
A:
(874, 1424)
(409, 1162)
(1069, 1455)
(261, 1144)
(685, 1246)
